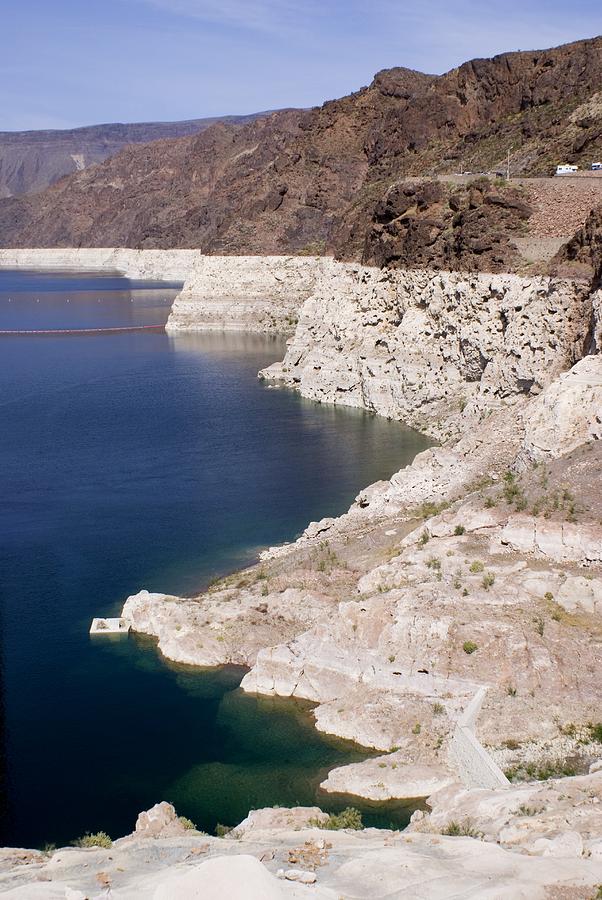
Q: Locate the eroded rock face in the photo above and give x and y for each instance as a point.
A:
(423, 347)
(434, 225)
(567, 413)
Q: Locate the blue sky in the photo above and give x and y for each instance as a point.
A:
(73, 62)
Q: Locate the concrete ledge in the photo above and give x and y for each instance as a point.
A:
(109, 626)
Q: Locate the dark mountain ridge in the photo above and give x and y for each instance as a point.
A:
(33, 160)
(334, 179)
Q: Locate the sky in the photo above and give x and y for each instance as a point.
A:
(66, 63)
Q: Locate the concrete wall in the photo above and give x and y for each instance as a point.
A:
(474, 765)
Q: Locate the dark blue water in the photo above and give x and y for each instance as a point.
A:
(141, 460)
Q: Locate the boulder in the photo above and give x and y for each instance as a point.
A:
(161, 820)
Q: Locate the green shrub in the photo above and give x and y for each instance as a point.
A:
(488, 580)
(417, 728)
(434, 563)
(438, 709)
(458, 530)
(100, 839)
(527, 810)
(348, 818)
(425, 537)
(469, 647)
(222, 830)
(476, 567)
(596, 731)
(540, 772)
(187, 823)
(465, 828)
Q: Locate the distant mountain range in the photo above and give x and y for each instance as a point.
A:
(334, 179)
(33, 160)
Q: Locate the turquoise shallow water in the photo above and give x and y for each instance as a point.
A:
(140, 460)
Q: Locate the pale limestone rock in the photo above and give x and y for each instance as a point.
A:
(235, 877)
(558, 541)
(567, 844)
(244, 293)
(280, 819)
(302, 876)
(160, 820)
(387, 778)
(595, 766)
(566, 414)
(579, 592)
(419, 346)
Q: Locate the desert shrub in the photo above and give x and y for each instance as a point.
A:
(425, 537)
(595, 730)
(488, 580)
(458, 530)
(464, 828)
(541, 771)
(438, 708)
(511, 690)
(469, 647)
(187, 823)
(476, 567)
(222, 830)
(430, 508)
(348, 818)
(99, 839)
(524, 810)
(417, 728)
(434, 563)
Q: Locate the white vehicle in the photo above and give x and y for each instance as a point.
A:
(596, 167)
(566, 170)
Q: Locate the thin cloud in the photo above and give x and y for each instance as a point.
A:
(270, 16)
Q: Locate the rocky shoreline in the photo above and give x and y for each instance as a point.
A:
(479, 566)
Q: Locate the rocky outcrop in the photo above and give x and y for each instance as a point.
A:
(434, 225)
(560, 856)
(423, 347)
(567, 413)
(246, 293)
(159, 821)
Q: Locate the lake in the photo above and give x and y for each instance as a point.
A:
(141, 460)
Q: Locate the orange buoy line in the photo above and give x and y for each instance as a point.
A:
(84, 330)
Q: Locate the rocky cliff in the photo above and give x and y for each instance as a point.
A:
(33, 160)
(321, 180)
(437, 350)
